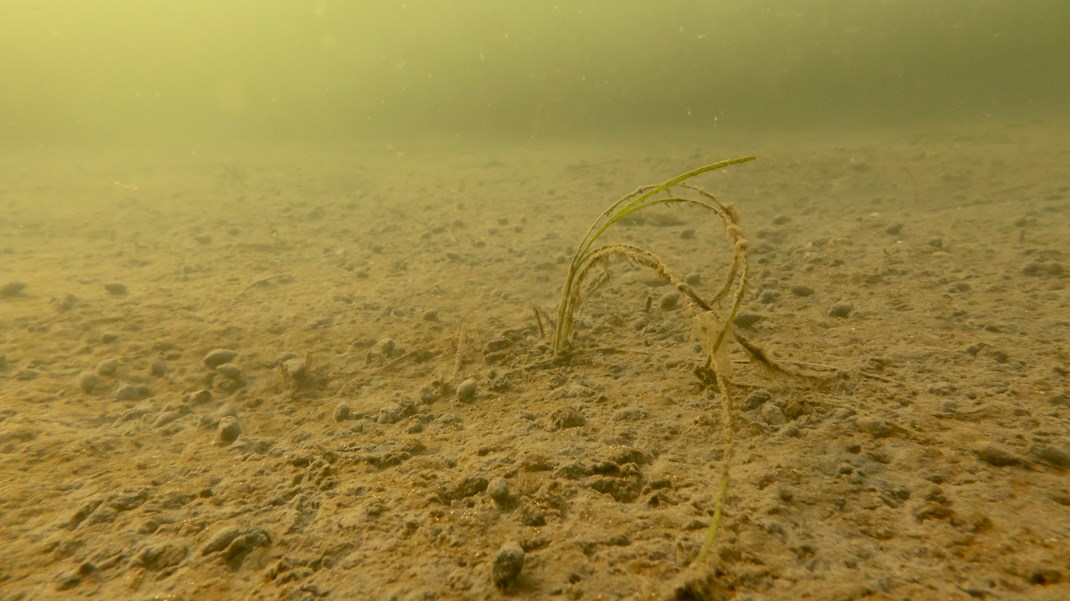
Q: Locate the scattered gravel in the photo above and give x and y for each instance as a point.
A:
(600, 465)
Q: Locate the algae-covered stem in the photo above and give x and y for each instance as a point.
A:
(587, 257)
(636, 201)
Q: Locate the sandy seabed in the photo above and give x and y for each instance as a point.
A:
(319, 375)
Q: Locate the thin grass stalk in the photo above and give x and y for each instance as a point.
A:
(642, 257)
(722, 491)
(632, 202)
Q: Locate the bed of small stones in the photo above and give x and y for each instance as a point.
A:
(319, 428)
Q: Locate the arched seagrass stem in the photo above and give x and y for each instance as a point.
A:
(587, 257)
(640, 199)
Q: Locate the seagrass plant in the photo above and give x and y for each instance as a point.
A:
(714, 327)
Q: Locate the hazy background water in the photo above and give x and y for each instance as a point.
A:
(150, 72)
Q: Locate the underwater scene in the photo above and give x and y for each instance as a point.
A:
(413, 300)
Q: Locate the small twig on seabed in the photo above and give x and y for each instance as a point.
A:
(538, 321)
(283, 278)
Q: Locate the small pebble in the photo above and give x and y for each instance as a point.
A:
(132, 392)
(219, 356)
(229, 429)
(431, 315)
(12, 289)
(395, 412)
(109, 337)
(470, 486)
(802, 290)
(746, 319)
(498, 489)
(230, 371)
(755, 399)
(841, 310)
(567, 417)
(296, 371)
(107, 367)
(88, 382)
(428, 394)
(282, 357)
(169, 415)
(385, 347)
(1052, 455)
(874, 426)
(942, 388)
(225, 410)
(843, 413)
(115, 288)
(466, 392)
(768, 297)
(773, 415)
(785, 494)
(894, 229)
(341, 412)
(1041, 268)
(793, 410)
(67, 303)
(781, 220)
(997, 455)
(508, 562)
(200, 397)
(669, 301)
(688, 234)
(959, 287)
(158, 368)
